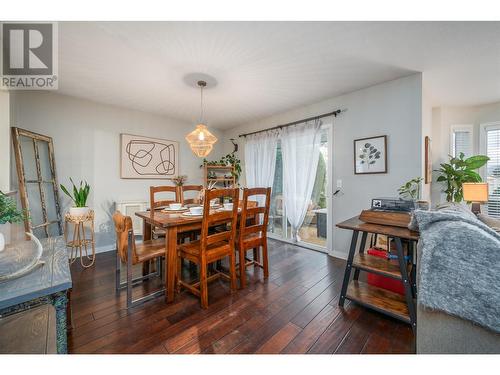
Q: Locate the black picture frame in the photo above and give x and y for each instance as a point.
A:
(379, 155)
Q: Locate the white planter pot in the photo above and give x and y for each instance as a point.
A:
(79, 211)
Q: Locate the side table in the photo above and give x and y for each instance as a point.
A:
(80, 242)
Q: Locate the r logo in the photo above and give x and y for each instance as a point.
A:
(27, 49)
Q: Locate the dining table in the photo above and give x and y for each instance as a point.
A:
(174, 224)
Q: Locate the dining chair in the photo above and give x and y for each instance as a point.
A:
(211, 246)
(190, 188)
(132, 253)
(173, 192)
(252, 232)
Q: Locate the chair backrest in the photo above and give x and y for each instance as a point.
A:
(153, 190)
(250, 210)
(185, 189)
(123, 224)
(219, 218)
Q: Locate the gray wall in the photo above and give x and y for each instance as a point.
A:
(87, 146)
(394, 109)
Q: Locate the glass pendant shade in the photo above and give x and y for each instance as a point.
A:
(201, 140)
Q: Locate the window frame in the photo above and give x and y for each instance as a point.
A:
(483, 129)
(457, 128)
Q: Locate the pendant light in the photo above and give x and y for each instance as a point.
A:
(201, 140)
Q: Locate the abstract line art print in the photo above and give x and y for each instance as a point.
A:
(148, 158)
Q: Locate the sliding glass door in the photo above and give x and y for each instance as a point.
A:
(315, 231)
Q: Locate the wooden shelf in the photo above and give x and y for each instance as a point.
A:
(373, 264)
(220, 179)
(379, 299)
(226, 167)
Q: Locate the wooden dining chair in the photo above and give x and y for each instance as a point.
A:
(212, 247)
(132, 253)
(154, 204)
(190, 188)
(252, 232)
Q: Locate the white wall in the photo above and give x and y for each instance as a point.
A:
(443, 119)
(4, 142)
(393, 108)
(87, 146)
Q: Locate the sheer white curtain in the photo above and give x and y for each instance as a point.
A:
(300, 147)
(260, 159)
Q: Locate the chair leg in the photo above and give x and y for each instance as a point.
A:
(117, 272)
(265, 261)
(203, 284)
(179, 273)
(243, 276)
(232, 270)
(129, 270)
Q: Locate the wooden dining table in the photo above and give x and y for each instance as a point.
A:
(173, 224)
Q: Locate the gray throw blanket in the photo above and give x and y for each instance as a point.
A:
(459, 267)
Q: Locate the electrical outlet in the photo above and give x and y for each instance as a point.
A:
(339, 184)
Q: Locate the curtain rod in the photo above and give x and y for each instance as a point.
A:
(334, 113)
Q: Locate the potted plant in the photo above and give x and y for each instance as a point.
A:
(458, 171)
(8, 214)
(411, 190)
(79, 197)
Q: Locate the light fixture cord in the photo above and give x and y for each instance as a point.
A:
(201, 104)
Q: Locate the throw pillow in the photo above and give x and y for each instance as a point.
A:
(492, 222)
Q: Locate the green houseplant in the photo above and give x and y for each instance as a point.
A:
(411, 189)
(8, 214)
(457, 171)
(79, 197)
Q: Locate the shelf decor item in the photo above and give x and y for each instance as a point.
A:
(79, 197)
(370, 155)
(201, 140)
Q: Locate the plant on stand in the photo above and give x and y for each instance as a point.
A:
(8, 214)
(228, 160)
(458, 171)
(79, 198)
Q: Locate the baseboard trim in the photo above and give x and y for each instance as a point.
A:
(99, 249)
(338, 254)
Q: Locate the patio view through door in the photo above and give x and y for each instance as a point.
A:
(315, 232)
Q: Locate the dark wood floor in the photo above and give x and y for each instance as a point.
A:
(295, 311)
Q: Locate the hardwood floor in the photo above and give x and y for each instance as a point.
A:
(295, 311)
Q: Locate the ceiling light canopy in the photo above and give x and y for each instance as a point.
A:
(201, 140)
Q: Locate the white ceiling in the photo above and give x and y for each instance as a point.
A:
(264, 68)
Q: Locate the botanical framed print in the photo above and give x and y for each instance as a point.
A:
(370, 155)
(148, 158)
(428, 161)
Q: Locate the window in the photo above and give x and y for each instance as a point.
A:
(461, 140)
(490, 143)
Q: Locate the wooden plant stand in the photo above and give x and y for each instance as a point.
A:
(381, 300)
(80, 243)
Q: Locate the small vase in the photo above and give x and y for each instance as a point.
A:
(79, 211)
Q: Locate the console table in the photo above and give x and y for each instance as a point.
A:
(384, 301)
(50, 283)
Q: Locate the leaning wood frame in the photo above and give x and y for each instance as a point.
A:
(16, 133)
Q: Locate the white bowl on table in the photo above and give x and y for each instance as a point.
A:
(228, 206)
(196, 210)
(175, 206)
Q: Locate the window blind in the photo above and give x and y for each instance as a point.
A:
(493, 170)
(462, 142)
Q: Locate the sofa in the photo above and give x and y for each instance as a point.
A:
(440, 332)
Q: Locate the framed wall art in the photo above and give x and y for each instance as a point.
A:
(428, 161)
(148, 158)
(370, 155)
